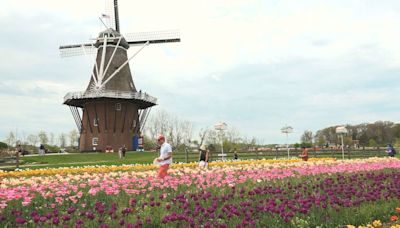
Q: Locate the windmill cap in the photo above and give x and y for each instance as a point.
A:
(160, 137)
(203, 147)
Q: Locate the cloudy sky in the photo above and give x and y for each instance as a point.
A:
(257, 65)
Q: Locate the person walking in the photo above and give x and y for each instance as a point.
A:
(304, 154)
(120, 153)
(123, 149)
(41, 149)
(203, 157)
(165, 158)
(235, 154)
(390, 150)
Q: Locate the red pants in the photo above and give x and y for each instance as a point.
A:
(162, 172)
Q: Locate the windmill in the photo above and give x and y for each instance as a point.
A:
(111, 112)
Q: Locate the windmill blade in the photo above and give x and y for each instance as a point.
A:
(111, 14)
(77, 49)
(167, 36)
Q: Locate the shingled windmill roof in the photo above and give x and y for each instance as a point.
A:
(115, 56)
(121, 85)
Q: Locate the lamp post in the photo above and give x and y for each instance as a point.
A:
(287, 130)
(220, 127)
(341, 131)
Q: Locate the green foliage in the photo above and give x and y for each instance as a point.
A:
(230, 146)
(296, 145)
(43, 137)
(307, 137)
(320, 140)
(179, 148)
(51, 148)
(149, 144)
(381, 132)
(89, 159)
(347, 140)
(397, 142)
(396, 131)
(3, 145)
(305, 144)
(372, 143)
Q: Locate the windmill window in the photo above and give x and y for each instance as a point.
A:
(118, 106)
(96, 122)
(95, 141)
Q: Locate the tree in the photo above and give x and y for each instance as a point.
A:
(32, 139)
(396, 131)
(372, 143)
(157, 123)
(10, 140)
(233, 136)
(212, 138)
(397, 142)
(306, 144)
(51, 138)
(73, 138)
(149, 143)
(178, 132)
(296, 146)
(43, 137)
(347, 140)
(307, 137)
(202, 134)
(3, 145)
(62, 140)
(382, 132)
(320, 140)
(328, 135)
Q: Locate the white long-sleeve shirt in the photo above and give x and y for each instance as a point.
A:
(164, 150)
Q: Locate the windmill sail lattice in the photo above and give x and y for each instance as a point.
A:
(113, 110)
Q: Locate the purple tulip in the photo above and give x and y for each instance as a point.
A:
(127, 211)
(36, 219)
(16, 212)
(66, 217)
(71, 210)
(20, 220)
(56, 221)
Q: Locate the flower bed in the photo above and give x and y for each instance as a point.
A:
(298, 194)
(140, 167)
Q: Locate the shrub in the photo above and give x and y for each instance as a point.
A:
(3, 145)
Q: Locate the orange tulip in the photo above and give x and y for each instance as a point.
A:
(398, 209)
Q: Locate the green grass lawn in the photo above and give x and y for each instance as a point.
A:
(87, 159)
(81, 159)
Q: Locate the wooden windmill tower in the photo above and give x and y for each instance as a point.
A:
(111, 112)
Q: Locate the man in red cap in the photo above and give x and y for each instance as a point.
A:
(165, 158)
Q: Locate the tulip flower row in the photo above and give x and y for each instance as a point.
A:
(392, 223)
(226, 195)
(141, 167)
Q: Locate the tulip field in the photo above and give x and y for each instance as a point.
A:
(252, 193)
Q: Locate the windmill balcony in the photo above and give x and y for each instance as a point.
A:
(79, 98)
